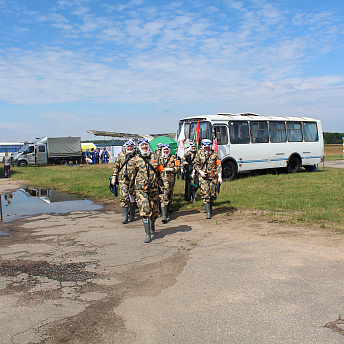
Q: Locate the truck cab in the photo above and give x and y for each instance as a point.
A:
(25, 156)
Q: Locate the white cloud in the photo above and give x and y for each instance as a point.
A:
(246, 53)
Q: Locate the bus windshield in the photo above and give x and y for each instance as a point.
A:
(190, 130)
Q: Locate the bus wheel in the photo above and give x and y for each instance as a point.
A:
(294, 164)
(63, 162)
(22, 163)
(229, 170)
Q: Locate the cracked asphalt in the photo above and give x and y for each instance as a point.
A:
(85, 277)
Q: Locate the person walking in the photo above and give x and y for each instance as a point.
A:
(121, 176)
(7, 165)
(208, 165)
(169, 166)
(145, 178)
(188, 162)
(157, 152)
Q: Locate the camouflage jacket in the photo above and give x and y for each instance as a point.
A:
(121, 167)
(192, 155)
(157, 154)
(210, 164)
(143, 176)
(169, 162)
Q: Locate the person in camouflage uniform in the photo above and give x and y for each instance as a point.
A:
(121, 176)
(187, 163)
(169, 166)
(157, 152)
(144, 180)
(208, 165)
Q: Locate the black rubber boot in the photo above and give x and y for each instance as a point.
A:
(207, 209)
(169, 210)
(152, 226)
(125, 214)
(147, 230)
(164, 214)
(132, 211)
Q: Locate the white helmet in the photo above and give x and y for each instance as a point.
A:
(165, 146)
(144, 154)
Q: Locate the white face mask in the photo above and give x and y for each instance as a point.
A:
(145, 153)
(208, 152)
(129, 151)
(164, 155)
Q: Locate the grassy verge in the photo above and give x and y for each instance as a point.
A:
(333, 152)
(310, 198)
(85, 180)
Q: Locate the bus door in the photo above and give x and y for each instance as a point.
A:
(42, 154)
(278, 141)
(240, 148)
(261, 154)
(221, 134)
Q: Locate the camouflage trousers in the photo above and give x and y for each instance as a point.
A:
(208, 189)
(148, 203)
(124, 194)
(166, 197)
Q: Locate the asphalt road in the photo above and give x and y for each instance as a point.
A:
(87, 278)
(336, 163)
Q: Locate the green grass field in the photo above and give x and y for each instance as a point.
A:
(333, 152)
(311, 198)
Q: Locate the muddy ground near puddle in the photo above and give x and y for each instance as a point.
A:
(85, 277)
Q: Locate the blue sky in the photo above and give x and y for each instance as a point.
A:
(139, 66)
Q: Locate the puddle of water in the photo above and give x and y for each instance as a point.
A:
(28, 202)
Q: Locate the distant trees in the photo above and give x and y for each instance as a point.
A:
(333, 138)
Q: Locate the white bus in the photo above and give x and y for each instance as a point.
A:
(248, 142)
(9, 147)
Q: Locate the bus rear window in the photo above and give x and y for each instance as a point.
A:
(239, 132)
(310, 132)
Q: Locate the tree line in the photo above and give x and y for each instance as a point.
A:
(333, 138)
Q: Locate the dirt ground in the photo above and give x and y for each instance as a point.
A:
(85, 277)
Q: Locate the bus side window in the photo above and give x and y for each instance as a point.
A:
(310, 132)
(294, 130)
(259, 132)
(221, 135)
(277, 132)
(238, 132)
